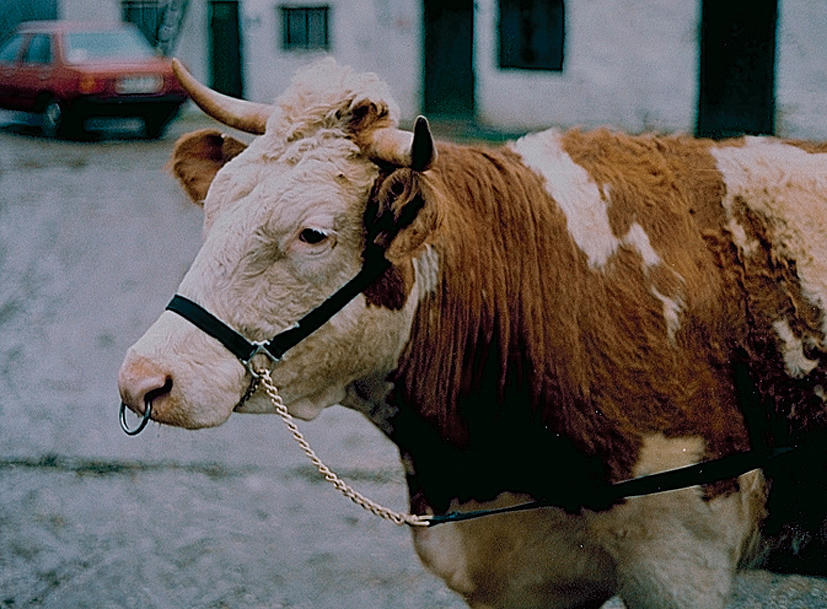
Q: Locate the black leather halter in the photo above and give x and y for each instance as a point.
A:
(245, 350)
(275, 348)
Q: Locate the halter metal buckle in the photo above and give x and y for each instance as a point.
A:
(260, 349)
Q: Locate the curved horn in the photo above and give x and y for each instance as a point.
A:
(237, 113)
(423, 150)
(403, 148)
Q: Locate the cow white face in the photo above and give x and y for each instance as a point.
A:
(284, 228)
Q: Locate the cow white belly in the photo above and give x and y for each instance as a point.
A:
(540, 558)
(670, 550)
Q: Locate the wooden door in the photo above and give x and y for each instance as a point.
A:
(225, 48)
(737, 72)
(449, 44)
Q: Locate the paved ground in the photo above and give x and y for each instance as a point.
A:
(94, 238)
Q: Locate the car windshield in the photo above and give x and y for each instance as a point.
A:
(106, 45)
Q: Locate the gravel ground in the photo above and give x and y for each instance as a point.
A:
(94, 238)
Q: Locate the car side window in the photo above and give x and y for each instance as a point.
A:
(40, 49)
(10, 51)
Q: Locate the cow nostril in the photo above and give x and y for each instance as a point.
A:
(159, 391)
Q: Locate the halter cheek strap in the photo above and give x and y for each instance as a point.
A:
(276, 347)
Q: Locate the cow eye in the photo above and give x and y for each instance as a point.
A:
(312, 236)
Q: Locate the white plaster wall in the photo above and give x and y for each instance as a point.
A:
(632, 65)
(801, 70)
(193, 46)
(382, 36)
(97, 11)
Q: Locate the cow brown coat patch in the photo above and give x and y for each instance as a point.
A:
(522, 327)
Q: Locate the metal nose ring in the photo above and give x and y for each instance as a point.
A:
(144, 419)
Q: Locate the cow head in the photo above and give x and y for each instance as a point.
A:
(287, 220)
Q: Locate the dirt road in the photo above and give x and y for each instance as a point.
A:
(94, 238)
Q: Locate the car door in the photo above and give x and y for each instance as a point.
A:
(36, 72)
(9, 71)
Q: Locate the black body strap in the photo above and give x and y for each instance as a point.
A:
(723, 468)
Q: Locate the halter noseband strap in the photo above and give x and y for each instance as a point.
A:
(276, 347)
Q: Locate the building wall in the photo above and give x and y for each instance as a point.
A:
(193, 41)
(635, 67)
(98, 11)
(13, 12)
(801, 70)
(630, 65)
(381, 36)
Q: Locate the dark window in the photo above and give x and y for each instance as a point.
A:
(40, 49)
(532, 34)
(304, 28)
(10, 50)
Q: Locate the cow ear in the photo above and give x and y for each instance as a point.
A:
(400, 214)
(198, 156)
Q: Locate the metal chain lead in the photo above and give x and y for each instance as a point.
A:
(343, 487)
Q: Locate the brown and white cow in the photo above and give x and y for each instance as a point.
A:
(570, 309)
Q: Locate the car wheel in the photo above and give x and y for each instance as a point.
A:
(52, 118)
(57, 120)
(155, 127)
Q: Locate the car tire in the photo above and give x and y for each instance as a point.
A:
(55, 119)
(154, 127)
(52, 117)
(157, 121)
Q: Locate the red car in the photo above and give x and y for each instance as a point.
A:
(69, 72)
